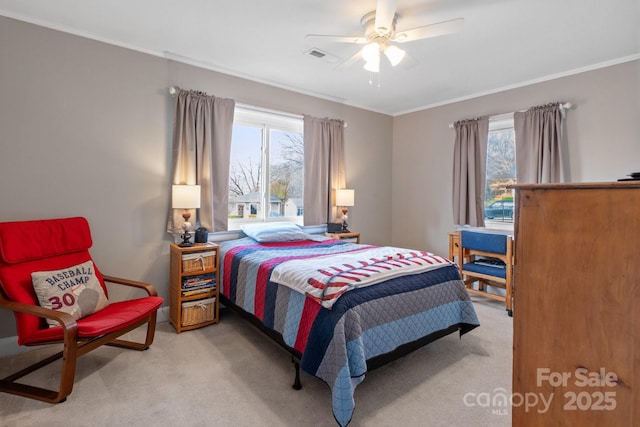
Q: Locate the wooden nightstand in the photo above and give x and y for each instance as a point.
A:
(352, 236)
(194, 286)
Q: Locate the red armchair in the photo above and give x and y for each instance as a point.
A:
(36, 246)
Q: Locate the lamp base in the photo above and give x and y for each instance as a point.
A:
(344, 220)
(186, 237)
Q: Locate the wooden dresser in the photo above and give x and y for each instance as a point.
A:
(576, 320)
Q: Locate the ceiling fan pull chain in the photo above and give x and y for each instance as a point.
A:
(371, 78)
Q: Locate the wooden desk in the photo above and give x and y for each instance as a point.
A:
(455, 248)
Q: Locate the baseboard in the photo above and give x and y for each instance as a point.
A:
(9, 345)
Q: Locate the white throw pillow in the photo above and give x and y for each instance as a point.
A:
(75, 290)
(274, 232)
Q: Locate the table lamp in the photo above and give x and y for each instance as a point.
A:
(185, 197)
(344, 198)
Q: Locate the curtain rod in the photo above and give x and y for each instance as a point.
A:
(174, 89)
(267, 110)
(280, 113)
(563, 106)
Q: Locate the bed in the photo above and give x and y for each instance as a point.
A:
(342, 308)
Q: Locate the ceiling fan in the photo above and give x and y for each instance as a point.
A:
(381, 36)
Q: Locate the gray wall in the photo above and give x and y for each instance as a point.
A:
(603, 132)
(86, 130)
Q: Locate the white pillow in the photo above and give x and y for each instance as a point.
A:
(75, 290)
(274, 232)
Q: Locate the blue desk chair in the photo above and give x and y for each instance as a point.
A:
(488, 261)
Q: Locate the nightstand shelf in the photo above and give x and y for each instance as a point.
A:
(194, 286)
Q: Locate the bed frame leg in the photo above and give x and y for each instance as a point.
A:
(297, 385)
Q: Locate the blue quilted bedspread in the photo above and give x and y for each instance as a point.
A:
(363, 323)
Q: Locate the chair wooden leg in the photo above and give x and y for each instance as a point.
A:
(132, 345)
(509, 299)
(69, 355)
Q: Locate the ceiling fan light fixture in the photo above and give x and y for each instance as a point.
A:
(380, 36)
(373, 66)
(394, 54)
(371, 52)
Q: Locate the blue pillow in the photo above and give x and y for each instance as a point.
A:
(274, 232)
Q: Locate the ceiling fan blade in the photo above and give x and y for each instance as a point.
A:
(433, 30)
(385, 12)
(349, 61)
(336, 39)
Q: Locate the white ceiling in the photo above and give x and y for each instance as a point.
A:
(504, 43)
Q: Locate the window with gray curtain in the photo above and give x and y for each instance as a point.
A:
(324, 170)
(202, 127)
(539, 142)
(202, 136)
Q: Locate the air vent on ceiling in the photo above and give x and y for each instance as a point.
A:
(317, 53)
(325, 56)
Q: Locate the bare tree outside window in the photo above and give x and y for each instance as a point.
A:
(244, 178)
(287, 173)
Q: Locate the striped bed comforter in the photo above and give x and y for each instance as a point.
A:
(326, 278)
(367, 321)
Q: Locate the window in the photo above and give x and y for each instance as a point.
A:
(266, 148)
(501, 173)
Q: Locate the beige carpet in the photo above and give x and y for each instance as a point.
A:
(231, 375)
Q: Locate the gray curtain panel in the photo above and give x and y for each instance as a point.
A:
(469, 171)
(539, 140)
(202, 129)
(324, 169)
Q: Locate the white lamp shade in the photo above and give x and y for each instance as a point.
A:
(185, 196)
(371, 56)
(394, 54)
(345, 197)
(371, 52)
(373, 66)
